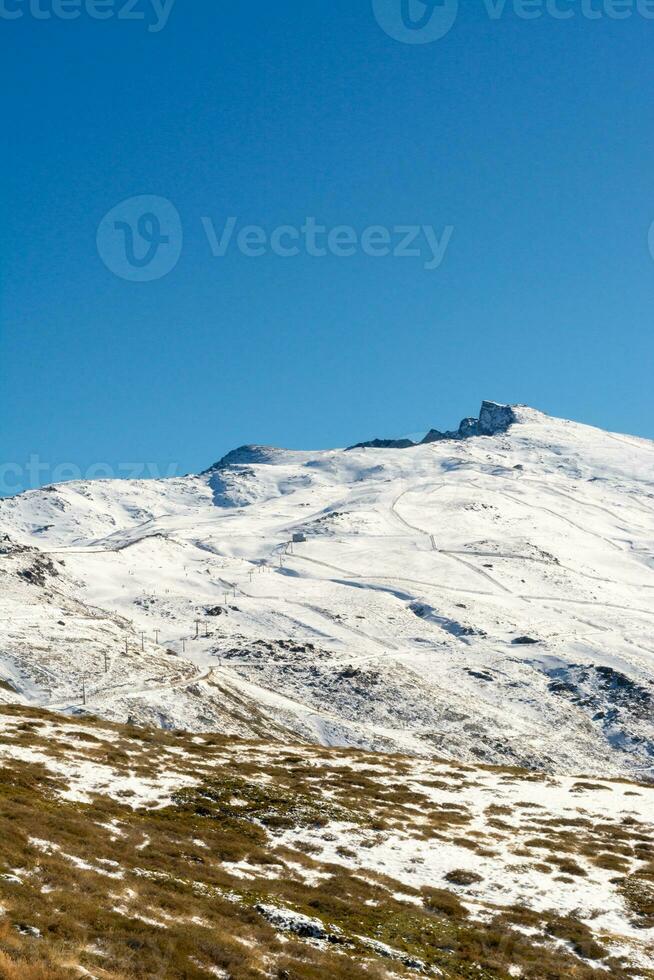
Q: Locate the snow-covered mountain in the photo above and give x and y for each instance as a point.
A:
(485, 595)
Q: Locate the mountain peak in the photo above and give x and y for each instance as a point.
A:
(251, 453)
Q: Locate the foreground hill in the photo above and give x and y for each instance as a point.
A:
(128, 853)
(486, 595)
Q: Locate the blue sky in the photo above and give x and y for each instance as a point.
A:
(531, 140)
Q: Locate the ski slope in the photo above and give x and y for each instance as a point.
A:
(486, 598)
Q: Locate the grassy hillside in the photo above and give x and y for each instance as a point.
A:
(129, 852)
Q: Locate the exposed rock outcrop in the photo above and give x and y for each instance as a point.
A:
(494, 419)
(386, 444)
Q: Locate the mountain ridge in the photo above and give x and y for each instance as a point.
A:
(486, 598)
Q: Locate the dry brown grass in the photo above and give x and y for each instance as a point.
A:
(202, 916)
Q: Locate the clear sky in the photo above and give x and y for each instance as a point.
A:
(524, 146)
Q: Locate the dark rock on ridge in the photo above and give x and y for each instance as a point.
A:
(385, 444)
(493, 420)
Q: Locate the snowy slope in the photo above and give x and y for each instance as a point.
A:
(482, 598)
